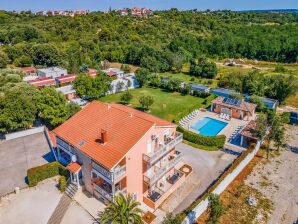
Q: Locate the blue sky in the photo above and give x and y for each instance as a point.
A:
(96, 5)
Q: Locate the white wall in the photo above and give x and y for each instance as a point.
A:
(203, 205)
(27, 132)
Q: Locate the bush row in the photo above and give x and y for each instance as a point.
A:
(212, 141)
(62, 183)
(40, 173)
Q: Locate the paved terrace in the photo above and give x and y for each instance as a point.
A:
(18, 155)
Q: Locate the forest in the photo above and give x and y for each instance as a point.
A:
(163, 42)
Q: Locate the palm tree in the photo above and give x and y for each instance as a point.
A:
(124, 210)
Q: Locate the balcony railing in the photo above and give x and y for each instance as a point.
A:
(107, 174)
(152, 157)
(103, 193)
(119, 172)
(153, 177)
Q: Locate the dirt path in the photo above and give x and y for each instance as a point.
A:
(278, 181)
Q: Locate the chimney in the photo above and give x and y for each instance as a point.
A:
(103, 136)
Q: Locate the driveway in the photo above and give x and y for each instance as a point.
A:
(207, 166)
(17, 156)
(32, 205)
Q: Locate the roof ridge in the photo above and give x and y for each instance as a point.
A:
(136, 114)
(130, 113)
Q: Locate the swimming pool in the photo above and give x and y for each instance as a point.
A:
(208, 126)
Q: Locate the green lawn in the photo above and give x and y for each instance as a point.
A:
(167, 105)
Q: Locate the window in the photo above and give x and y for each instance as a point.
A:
(93, 175)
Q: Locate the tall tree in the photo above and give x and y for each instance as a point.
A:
(146, 101)
(18, 109)
(53, 107)
(124, 210)
(126, 97)
(204, 68)
(142, 75)
(3, 60)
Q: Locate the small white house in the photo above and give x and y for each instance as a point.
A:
(51, 72)
(127, 81)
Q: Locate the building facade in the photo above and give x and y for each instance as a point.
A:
(51, 72)
(111, 148)
(234, 108)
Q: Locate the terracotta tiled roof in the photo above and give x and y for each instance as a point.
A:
(42, 82)
(124, 127)
(53, 138)
(110, 74)
(245, 106)
(66, 78)
(248, 131)
(28, 69)
(73, 167)
(92, 72)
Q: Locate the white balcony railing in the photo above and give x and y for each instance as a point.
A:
(103, 193)
(107, 174)
(153, 176)
(152, 157)
(119, 172)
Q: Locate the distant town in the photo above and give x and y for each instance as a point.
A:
(134, 12)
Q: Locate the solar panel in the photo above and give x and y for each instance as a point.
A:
(231, 101)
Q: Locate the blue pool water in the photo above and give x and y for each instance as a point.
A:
(208, 126)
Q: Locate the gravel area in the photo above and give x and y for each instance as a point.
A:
(277, 179)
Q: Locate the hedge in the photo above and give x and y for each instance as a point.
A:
(40, 173)
(211, 141)
(62, 183)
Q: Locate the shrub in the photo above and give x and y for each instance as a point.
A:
(216, 208)
(126, 97)
(212, 141)
(62, 183)
(285, 117)
(200, 94)
(40, 173)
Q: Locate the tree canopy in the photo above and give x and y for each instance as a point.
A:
(159, 43)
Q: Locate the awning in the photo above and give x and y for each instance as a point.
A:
(73, 167)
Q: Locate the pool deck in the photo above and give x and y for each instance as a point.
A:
(227, 131)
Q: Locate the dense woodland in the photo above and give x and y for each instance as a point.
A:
(165, 42)
(160, 43)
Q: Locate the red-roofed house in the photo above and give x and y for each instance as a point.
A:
(92, 72)
(67, 79)
(29, 71)
(111, 148)
(233, 108)
(42, 82)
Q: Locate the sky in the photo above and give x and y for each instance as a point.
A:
(103, 5)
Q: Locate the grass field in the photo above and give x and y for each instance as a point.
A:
(167, 105)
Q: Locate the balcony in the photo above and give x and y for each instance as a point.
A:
(103, 191)
(119, 172)
(162, 150)
(156, 196)
(152, 177)
(102, 171)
